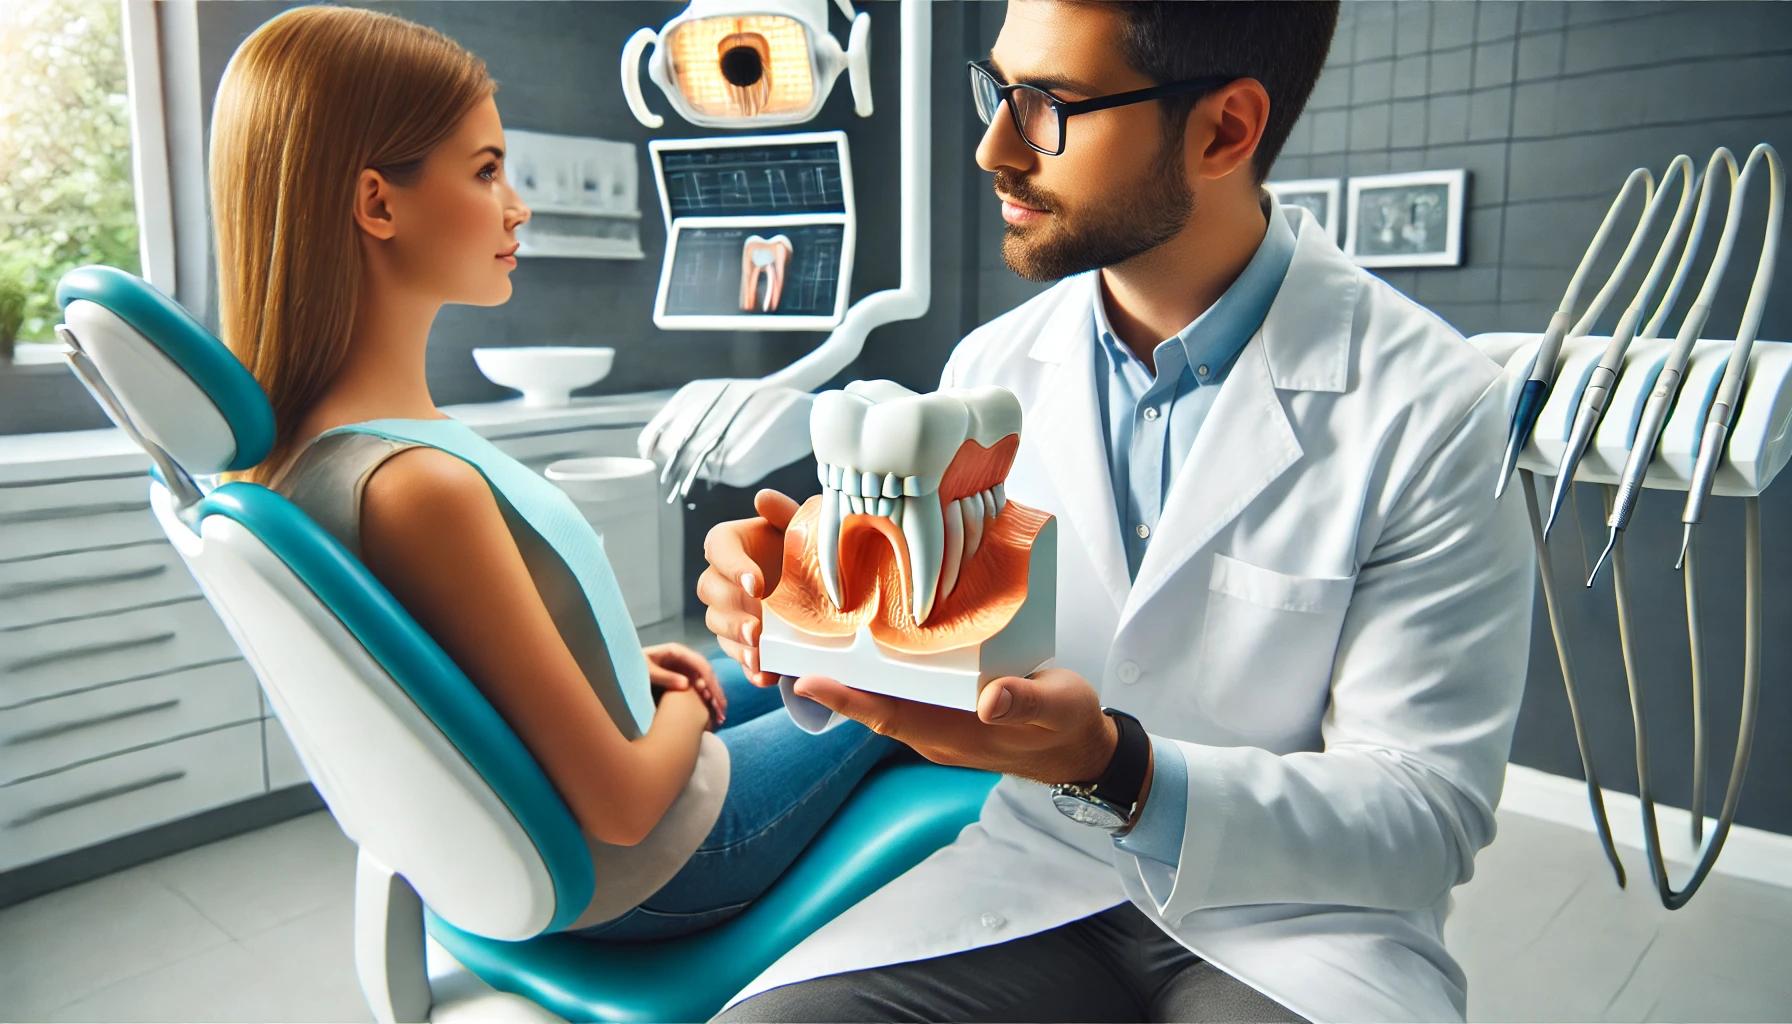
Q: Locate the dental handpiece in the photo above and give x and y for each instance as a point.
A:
(1605, 375)
(1667, 384)
(1729, 392)
(1543, 368)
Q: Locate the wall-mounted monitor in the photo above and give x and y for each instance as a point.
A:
(759, 232)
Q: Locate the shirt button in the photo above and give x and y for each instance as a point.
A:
(990, 920)
(1150, 412)
(1201, 371)
(1128, 671)
(1142, 530)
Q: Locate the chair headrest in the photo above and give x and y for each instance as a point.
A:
(179, 385)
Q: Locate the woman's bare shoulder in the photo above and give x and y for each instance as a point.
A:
(425, 492)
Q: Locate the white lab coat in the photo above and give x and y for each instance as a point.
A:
(1332, 620)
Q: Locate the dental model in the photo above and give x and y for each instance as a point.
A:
(763, 261)
(911, 574)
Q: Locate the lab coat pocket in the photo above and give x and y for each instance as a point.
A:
(1267, 647)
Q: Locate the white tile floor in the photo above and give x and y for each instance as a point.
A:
(258, 928)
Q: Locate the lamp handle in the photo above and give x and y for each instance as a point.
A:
(858, 64)
(631, 76)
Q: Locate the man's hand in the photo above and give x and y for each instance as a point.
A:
(1049, 727)
(677, 667)
(746, 559)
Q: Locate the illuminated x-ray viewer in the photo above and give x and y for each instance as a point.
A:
(759, 232)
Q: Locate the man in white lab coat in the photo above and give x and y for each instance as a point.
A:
(1292, 619)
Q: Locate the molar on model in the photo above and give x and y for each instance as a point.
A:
(911, 573)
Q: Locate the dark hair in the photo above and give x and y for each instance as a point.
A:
(1282, 45)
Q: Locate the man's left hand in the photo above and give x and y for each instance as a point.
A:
(1049, 728)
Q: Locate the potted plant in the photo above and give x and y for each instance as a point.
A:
(12, 311)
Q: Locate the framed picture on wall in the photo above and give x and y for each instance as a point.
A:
(1406, 220)
(1318, 196)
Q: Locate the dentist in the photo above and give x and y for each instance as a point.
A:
(1292, 624)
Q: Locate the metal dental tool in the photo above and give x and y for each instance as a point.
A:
(1667, 384)
(1543, 368)
(1723, 408)
(1605, 374)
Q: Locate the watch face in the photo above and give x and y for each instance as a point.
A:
(1090, 811)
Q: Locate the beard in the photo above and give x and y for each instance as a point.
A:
(1139, 220)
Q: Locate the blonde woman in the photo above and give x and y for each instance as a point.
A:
(357, 172)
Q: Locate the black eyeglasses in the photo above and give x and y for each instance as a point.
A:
(1039, 116)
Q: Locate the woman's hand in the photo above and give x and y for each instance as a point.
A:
(746, 559)
(677, 667)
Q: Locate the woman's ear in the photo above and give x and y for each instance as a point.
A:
(373, 212)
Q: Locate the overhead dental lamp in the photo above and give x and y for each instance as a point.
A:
(760, 63)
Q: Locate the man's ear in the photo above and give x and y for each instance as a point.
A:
(373, 211)
(1225, 128)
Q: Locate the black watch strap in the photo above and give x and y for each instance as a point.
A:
(1125, 774)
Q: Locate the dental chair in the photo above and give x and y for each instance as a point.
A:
(459, 832)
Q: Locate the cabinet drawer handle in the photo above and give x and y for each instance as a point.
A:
(32, 588)
(88, 651)
(36, 515)
(93, 798)
(59, 728)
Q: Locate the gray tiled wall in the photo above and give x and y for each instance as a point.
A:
(1548, 105)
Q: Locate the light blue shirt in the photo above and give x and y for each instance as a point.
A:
(1151, 422)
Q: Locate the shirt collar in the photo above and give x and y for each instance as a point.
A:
(1217, 335)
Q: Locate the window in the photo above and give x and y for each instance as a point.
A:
(65, 152)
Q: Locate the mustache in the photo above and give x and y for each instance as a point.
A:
(1024, 191)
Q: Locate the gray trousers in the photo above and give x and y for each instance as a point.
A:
(1117, 965)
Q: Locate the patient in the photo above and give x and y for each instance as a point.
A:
(357, 172)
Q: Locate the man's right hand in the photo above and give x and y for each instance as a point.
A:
(746, 558)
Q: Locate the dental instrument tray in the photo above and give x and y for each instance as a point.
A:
(760, 232)
(911, 574)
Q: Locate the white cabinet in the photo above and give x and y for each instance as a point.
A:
(85, 803)
(86, 725)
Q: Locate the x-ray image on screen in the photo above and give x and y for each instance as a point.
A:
(747, 271)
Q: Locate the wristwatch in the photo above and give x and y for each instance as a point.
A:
(1110, 802)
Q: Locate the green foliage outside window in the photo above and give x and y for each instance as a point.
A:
(65, 149)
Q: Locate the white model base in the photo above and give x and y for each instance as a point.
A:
(952, 678)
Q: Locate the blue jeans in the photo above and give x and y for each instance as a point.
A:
(783, 786)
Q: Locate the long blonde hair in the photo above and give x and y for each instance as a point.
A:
(308, 101)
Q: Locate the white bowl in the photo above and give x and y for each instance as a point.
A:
(545, 374)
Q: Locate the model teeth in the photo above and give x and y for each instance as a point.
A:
(882, 450)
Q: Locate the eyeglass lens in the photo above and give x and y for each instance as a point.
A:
(1031, 108)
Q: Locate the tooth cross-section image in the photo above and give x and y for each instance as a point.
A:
(911, 572)
(735, 271)
(762, 265)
